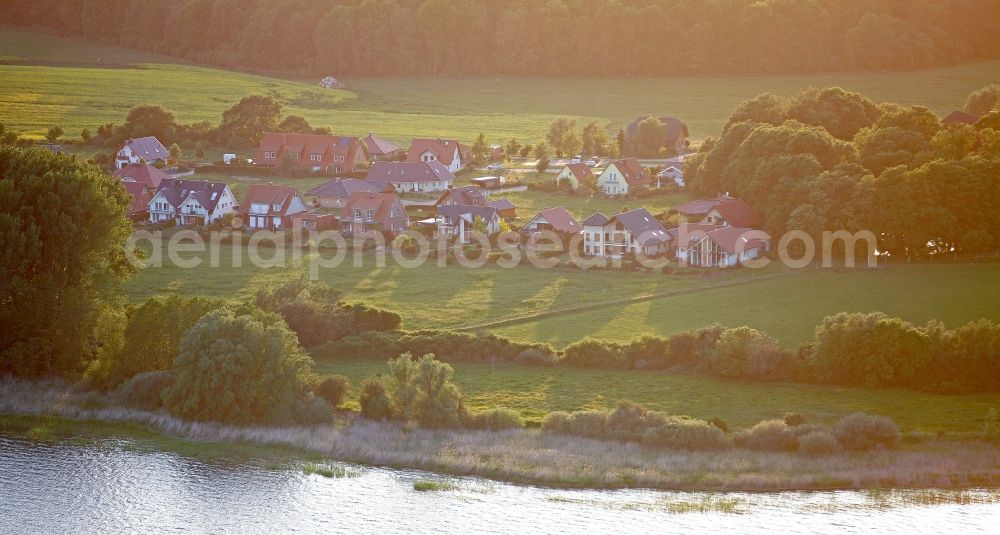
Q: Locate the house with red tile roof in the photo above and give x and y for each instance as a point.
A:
(702, 245)
(722, 210)
(314, 152)
(141, 150)
(575, 174)
(334, 193)
(448, 152)
(621, 175)
(366, 213)
(270, 207)
(380, 150)
(408, 176)
(556, 219)
(697, 209)
(190, 202)
(142, 173)
(139, 209)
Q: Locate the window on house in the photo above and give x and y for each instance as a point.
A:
(276, 207)
(294, 155)
(357, 213)
(371, 215)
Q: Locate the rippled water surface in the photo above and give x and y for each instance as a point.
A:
(115, 488)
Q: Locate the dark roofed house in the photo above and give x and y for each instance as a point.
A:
(458, 221)
(465, 195)
(141, 150)
(380, 150)
(142, 173)
(270, 207)
(698, 208)
(334, 193)
(556, 219)
(635, 231)
(190, 202)
(505, 208)
(412, 176)
(959, 117)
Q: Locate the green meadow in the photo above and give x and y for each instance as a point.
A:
(533, 392)
(47, 81)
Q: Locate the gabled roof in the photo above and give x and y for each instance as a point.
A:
(142, 173)
(140, 196)
(443, 149)
(469, 213)
(409, 172)
(559, 219)
(580, 171)
(502, 204)
(701, 206)
(960, 117)
(377, 145)
(463, 195)
(381, 202)
(728, 238)
(643, 226)
(342, 188)
(316, 143)
(176, 191)
(272, 196)
(596, 220)
(631, 171)
(738, 213)
(148, 148)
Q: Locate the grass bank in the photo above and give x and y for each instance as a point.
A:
(527, 456)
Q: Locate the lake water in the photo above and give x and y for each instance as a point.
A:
(114, 487)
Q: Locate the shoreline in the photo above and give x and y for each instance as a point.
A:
(522, 456)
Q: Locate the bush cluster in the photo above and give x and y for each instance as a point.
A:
(448, 346)
(145, 390)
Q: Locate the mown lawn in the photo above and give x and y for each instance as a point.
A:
(536, 391)
(47, 81)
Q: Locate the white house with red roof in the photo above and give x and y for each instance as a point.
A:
(620, 176)
(270, 207)
(190, 202)
(556, 219)
(141, 150)
(635, 231)
(575, 174)
(448, 152)
(702, 245)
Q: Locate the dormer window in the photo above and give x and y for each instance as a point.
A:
(371, 215)
(276, 207)
(357, 213)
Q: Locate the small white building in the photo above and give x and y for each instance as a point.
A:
(455, 220)
(141, 150)
(190, 202)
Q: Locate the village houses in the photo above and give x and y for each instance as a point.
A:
(635, 231)
(333, 194)
(380, 150)
(367, 213)
(141, 150)
(574, 174)
(458, 221)
(620, 176)
(405, 177)
(448, 152)
(190, 202)
(314, 152)
(270, 207)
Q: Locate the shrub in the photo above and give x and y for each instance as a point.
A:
(536, 357)
(588, 423)
(720, 423)
(744, 352)
(794, 419)
(495, 420)
(556, 422)
(374, 399)
(628, 421)
(860, 431)
(422, 391)
(685, 434)
(818, 443)
(144, 391)
(333, 389)
(590, 353)
(258, 372)
(769, 435)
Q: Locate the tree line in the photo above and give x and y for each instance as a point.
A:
(528, 38)
(828, 159)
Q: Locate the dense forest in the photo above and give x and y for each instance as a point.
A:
(528, 37)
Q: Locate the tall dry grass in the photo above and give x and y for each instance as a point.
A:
(531, 456)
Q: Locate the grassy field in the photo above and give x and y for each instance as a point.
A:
(46, 81)
(439, 297)
(536, 391)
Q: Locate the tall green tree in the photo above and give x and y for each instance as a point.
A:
(594, 140)
(63, 229)
(148, 120)
(54, 134)
(560, 131)
(243, 125)
(480, 149)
